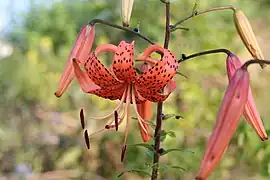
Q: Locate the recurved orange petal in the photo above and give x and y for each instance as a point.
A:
(87, 85)
(123, 62)
(79, 51)
(228, 117)
(158, 76)
(96, 71)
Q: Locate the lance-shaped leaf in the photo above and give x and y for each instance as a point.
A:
(228, 117)
(126, 10)
(80, 52)
(250, 111)
(247, 35)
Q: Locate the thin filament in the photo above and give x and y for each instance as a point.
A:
(127, 109)
(116, 109)
(136, 110)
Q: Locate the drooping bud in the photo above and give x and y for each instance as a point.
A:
(126, 10)
(228, 117)
(247, 35)
(250, 111)
(80, 52)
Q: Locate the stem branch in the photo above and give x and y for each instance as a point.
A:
(100, 21)
(197, 13)
(214, 51)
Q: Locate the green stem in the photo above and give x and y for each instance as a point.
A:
(197, 13)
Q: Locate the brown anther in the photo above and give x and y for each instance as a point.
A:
(116, 120)
(82, 119)
(124, 148)
(87, 140)
(107, 126)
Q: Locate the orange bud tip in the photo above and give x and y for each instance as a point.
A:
(264, 138)
(199, 178)
(124, 148)
(57, 95)
(86, 138)
(82, 119)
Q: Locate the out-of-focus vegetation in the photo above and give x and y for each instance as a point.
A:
(40, 135)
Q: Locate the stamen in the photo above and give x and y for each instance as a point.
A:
(127, 109)
(99, 131)
(116, 109)
(124, 148)
(121, 118)
(82, 119)
(140, 119)
(116, 120)
(86, 138)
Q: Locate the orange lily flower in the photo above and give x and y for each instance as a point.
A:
(80, 51)
(250, 112)
(122, 82)
(228, 117)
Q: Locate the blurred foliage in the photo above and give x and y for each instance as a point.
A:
(40, 135)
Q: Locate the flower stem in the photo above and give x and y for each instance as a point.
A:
(100, 21)
(196, 13)
(214, 51)
(255, 61)
(160, 104)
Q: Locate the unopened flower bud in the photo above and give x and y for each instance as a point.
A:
(126, 9)
(247, 35)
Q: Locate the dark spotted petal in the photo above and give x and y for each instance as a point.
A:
(110, 92)
(96, 71)
(123, 62)
(150, 83)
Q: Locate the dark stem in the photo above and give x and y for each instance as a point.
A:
(160, 104)
(94, 21)
(255, 61)
(196, 13)
(214, 51)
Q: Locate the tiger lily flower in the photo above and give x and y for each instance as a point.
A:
(250, 112)
(228, 117)
(122, 82)
(80, 51)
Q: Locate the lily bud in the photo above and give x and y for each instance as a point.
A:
(247, 35)
(250, 111)
(126, 9)
(80, 52)
(228, 117)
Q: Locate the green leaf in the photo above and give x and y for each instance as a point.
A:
(140, 171)
(148, 146)
(163, 134)
(172, 150)
(171, 134)
(166, 167)
(168, 116)
(178, 73)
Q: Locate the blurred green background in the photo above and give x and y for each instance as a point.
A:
(41, 136)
